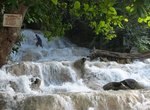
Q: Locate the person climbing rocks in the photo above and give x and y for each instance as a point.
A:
(39, 41)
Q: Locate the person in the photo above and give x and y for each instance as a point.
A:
(39, 41)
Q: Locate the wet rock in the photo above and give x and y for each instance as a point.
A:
(132, 84)
(100, 100)
(14, 86)
(35, 83)
(23, 68)
(79, 63)
(2, 102)
(31, 56)
(115, 86)
(17, 69)
(10, 102)
(79, 67)
(123, 85)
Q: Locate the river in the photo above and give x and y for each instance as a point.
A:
(53, 78)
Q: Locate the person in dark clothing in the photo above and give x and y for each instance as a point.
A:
(39, 41)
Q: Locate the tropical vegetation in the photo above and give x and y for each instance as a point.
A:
(104, 17)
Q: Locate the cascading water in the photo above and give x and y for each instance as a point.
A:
(54, 78)
(59, 49)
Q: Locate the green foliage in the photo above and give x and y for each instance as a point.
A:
(145, 20)
(76, 5)
(103, 16)
(136, 28)
(55, 1)
(86, 7)
(138, 36)
(139, 8)
(17, 44)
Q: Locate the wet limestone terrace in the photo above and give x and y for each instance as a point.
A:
(54, 78)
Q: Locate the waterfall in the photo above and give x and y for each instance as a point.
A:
(53, 78)
(59, 49)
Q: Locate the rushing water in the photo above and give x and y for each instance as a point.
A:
(51, 78)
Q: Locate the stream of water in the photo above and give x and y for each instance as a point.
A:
(53, 78)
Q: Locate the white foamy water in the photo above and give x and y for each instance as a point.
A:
(50, 74)
(59, 49)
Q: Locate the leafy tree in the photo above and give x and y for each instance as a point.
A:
(103, 16)
(137, 27)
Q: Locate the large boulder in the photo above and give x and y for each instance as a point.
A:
(123, 85)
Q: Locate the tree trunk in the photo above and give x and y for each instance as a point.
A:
(8, 36)
(116, 56)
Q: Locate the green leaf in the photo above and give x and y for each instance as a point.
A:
(112, 10)
(93, 24)
(128, 8)
(126, 20)
(120, 25)
(77, 5)
(148, 23)
(91, 9)
(55, 1)
(140, 20)
(64, 5)
(102, 23)
(86, 7)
